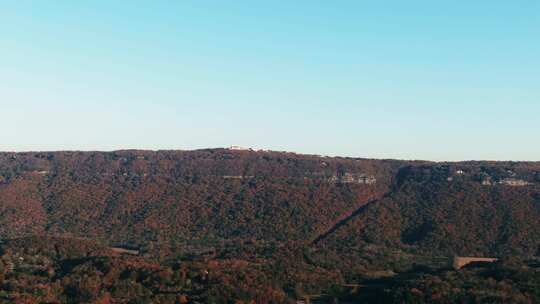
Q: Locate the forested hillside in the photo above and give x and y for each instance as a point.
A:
(306, 224)
(442, 210)
(155, 198)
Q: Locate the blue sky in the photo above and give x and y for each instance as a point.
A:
(439, 80)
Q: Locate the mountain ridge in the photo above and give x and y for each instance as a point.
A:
(135, 195)
(203, 225)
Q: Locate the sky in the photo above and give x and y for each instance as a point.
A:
(437, 80)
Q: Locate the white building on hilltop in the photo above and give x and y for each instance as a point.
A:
(238, 148)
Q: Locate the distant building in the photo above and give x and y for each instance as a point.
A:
(238, 148)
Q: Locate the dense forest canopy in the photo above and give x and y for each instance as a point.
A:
(295, 224)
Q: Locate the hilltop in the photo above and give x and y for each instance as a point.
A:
(305, 219)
